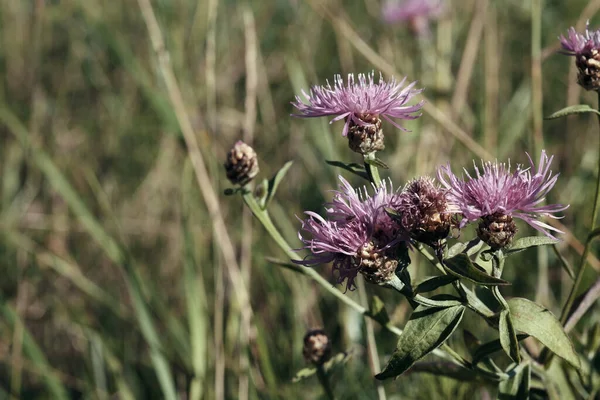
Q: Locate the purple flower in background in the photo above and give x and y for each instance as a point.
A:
(357, 236)
(416, 12)
(496, 195)
(361, 103)
(585, 47)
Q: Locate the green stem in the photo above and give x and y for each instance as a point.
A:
(582, 262)
(372, 170)
(324, 381)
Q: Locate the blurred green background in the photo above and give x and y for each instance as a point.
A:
(117, 280)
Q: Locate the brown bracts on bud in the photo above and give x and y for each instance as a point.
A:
(497, 230)
(375, 265)
(423, 211)
(317, 348)
(366, 136)
(588, 69)
(242, 164)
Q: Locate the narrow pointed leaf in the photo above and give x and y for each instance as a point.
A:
(529, 241)
(571, 110)
(276, 180)
(356, 169)
(517, 385)
(469, 248)
(492, 347)
(426, 330)
(378, 312)
(442, 300)
(376, 162)
(508, 337)
(540, 323)
(461, 266)
(435, 282)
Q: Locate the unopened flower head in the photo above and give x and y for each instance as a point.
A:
(586, 49)
(496, 195)
(358, 235)
(361, 104)
(417, 13)
(242, 164)
(317, 347)
(424, 212)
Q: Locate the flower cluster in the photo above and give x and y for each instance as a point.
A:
(363, 234)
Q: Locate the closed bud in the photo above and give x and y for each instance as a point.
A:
(367, 137)
(497, 230)
(376, 266)
(242, 164)
(317, 348)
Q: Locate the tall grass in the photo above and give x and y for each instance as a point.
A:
(126, 271)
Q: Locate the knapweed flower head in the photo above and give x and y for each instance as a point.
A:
(361, 103)
(416, 12)
(317, 347)
(496, 195)
(241, 165)
(358, 235)
(423, 210)
(586, 49)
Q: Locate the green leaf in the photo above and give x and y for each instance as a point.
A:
(529, 241)
(462, 267)
(356, 169)
(508, 337)
(517, 385)
(275, 181)
(426, 330)
(376, 162)
(441, 300)
(435, 282)
(538, 322)
(338, 359)
(378, 312)
(469, 248)
(492, 347)
(571, 110)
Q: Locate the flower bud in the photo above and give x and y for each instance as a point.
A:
(242, 164)
(376, 266)
(588, 69)
(497, 230)
(317, 348)
(367, 138)
(423, 211)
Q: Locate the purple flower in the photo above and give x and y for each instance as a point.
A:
(586, 49)
(358, 235)
(576, 43)
(360, 103)
(499, 193)
(395, 11)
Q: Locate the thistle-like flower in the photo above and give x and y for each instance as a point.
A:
(424, 212)
(496, 196)
(362, 104)
(417, 13)
(358, 235)
(586, 49)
